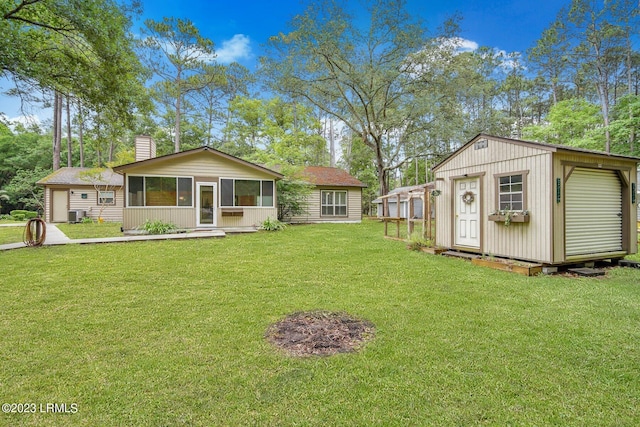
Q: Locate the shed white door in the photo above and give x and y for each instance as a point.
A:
(593, 212)
(467, 213)
(60, 207)
(206, 204)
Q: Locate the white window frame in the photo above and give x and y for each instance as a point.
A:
(334, 204)
(101, 196)
(523, 192)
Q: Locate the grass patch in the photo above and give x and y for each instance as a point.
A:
(11, 235)
(91, 230)
(173, 333)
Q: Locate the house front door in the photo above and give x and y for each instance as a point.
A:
(467, 213)
(206, 202)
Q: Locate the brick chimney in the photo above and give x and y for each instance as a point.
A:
(145, 147)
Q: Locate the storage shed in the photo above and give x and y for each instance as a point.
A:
(537, 202)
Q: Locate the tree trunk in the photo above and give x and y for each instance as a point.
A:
(332, 145)
(176, 137)
(81, 134)
(57, 129)
(69, 142)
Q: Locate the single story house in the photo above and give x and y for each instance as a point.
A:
(198, 188)
(412, 194)
(72, 193)
(537, 202)
(336, 196)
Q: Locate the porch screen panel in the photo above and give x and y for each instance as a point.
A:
(136, 191)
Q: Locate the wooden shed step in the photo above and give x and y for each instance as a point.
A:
(460, 254)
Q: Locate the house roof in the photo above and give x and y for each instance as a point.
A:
(327, 176)
(122, 168)
(542, 145)
(72, 176)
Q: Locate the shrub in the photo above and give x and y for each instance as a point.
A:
(87, 220)
(20, 214)
(270, 224)
(416, 242)
(158, 227)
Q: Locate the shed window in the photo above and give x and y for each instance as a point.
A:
(334, 203)
(106, 198)
(511, 192)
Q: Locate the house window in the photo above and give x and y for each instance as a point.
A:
(159, 191)
(334, 203)
(511, 192)
(106, 198)
(246, 192)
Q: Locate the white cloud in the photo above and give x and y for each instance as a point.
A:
(239, 47)
(465, 45)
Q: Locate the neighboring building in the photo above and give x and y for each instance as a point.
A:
(337, 196)
(69, 195)
(563, 204)
(198, 188)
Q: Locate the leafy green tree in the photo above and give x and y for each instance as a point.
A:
(574, 122)
(57, 45)
(274, 132)
(370, 72)
(625, 125)
(358, 160)
(590, 40)
(4, 197)
(23, 191)
(176, 52)
(23, 151)
(293, 194)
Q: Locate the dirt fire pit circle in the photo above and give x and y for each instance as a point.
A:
(320, 333)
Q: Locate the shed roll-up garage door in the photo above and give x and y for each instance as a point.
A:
(593, 212)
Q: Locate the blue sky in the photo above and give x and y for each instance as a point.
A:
(240, 28)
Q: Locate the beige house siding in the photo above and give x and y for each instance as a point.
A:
(313, 215)
(204, 167)
(186, 217)
(111, 213)
(542, 239)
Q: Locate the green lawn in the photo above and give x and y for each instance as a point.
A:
(172, 333)
(11, 234)
(91, 230)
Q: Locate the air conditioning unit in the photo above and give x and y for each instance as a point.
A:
(76, 216)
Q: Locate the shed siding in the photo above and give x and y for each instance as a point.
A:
(520, 240)
(354, 206)
(543, 238)
(562, 164)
